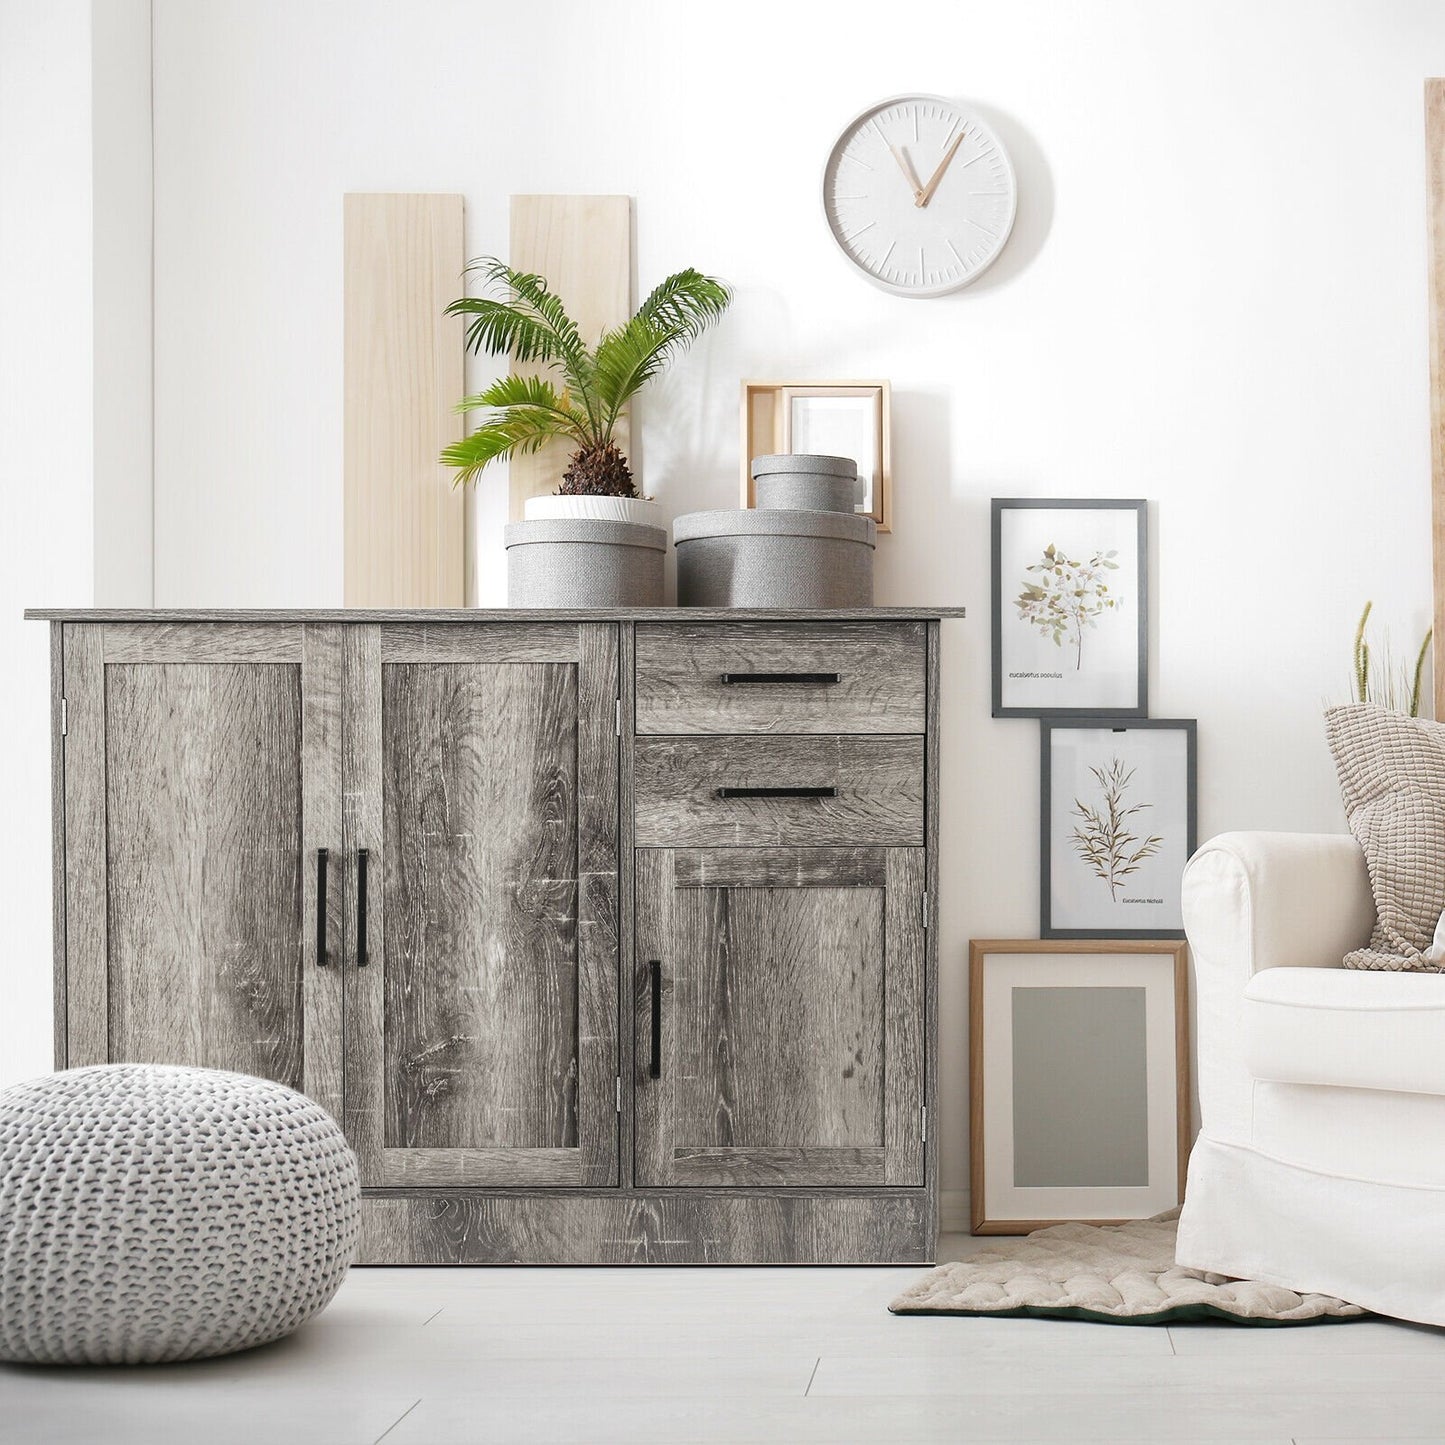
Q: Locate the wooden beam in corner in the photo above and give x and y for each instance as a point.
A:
(582, 247)
(1435, 217)
(405, 534)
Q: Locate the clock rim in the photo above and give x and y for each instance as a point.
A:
(916, 292)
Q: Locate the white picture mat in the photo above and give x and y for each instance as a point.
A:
(839, 426)
(1035, 672)
(1004, 972)
(1149, 899)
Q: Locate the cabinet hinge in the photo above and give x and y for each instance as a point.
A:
(923, 1123)
(64, 718)
(618, 717)
(925, 910)
(619, 1093)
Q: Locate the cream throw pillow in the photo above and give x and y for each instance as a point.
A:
(1392, 776)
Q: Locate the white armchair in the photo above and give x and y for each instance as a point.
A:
(1321, 1161)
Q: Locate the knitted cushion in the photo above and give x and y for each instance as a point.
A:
(150, 1213)
(1392, 776)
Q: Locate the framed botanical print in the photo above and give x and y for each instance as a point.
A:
(1070, 607)
(1118, 820)
(1079, 1079)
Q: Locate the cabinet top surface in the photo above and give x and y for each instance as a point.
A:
(486, 614)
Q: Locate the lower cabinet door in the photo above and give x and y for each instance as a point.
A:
(481, 1008)
(779, 1017)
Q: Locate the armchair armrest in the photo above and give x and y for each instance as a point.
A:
(1277, 900)
(1262, 900)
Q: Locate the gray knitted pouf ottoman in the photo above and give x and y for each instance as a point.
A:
(150, 1213)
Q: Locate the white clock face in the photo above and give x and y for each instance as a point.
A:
(919, 195)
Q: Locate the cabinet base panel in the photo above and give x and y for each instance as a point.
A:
(457, 1228)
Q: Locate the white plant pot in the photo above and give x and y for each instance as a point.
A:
(594, 509)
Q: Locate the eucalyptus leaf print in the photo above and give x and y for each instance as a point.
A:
(1063, 596)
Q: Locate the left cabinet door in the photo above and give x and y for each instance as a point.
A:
(481, 774)
(202, 792)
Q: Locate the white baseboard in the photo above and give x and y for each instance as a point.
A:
(953, 1217)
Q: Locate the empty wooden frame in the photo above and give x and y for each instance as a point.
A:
(1078, 1080)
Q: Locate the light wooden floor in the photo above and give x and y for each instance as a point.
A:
(433, 1357)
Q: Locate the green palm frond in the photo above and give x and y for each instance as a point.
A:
(673, 316)
(518, 314)
(519, 394)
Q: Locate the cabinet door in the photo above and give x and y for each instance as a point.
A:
(481, 776)
(780, 1016)
(202, 780)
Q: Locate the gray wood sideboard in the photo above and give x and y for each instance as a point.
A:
(608, 936)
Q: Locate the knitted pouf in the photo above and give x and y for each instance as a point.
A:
(150, 1213)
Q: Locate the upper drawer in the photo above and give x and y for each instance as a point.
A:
(780, 677)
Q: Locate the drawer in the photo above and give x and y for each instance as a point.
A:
(780, 677)
(749, 791)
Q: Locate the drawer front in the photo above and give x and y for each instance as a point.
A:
(780, 677)
(750, 791)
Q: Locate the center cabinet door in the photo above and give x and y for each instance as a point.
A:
(780, 1016)
(480, 767)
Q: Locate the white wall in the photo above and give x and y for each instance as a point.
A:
(1214, 298)
(45, 458)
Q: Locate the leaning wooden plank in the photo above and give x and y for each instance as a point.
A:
(582, 245)
(404, 525)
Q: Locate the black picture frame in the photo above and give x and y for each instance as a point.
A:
(1173, 860)
(1139, 707)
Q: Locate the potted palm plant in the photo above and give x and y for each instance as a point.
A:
(597, 542)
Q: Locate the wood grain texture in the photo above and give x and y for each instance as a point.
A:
(691, 1228)
(780, 868)
(204, 836)
(57, 843)
(86, 922)
(1435, 221)
(404, 528)
(881, 687)
(932, 789)
(782, 1059)
(371, 615)
(452, 642)
(482, 1037)
(582, 246)
(321, 790)
(627, 905)
(204, 642)
(879, 782)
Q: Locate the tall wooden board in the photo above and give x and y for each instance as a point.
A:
(404, 525)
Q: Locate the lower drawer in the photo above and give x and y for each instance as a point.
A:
(746, 791)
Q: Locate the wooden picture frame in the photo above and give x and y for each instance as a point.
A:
(1075, 871)
(769, 423)
(1038, 667)
(1091, 1079)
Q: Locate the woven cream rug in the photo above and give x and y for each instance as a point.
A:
(1112, 1274)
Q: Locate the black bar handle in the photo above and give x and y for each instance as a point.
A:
(654, 1067)
(363, 857)
(777, 792)
(823, 679)
(323, 856)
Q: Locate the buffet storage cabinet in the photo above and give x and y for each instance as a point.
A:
(607, 936)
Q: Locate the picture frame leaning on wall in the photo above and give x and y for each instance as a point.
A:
(1070, 614)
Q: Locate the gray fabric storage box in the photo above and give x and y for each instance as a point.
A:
(806, 482)
(584, 562)
(774, 559)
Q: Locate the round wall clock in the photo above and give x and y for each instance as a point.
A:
(919, 194)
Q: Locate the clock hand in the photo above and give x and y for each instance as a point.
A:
(926, 194)
(906, 166)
